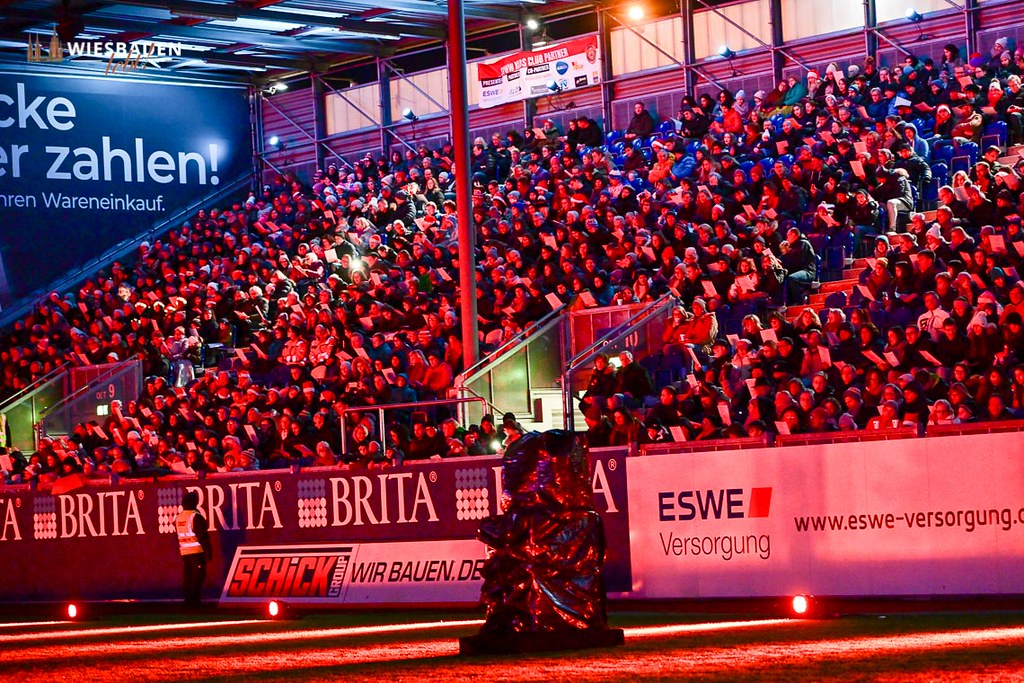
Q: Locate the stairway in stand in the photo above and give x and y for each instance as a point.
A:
(816, 301)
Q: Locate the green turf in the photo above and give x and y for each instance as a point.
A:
(900, 649)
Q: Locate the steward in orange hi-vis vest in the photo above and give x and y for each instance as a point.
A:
(188, 542)
(194, 546)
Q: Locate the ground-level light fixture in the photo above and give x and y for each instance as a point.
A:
(802, 605)
(277, 610)
(76, 611)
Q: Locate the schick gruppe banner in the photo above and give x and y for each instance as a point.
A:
(86, 162)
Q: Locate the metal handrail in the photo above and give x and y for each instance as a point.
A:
(382, 433)
(513, 345)
(495, 410)
(102, 377)
(616, 331)
(971, 428)
(585, 356)
(28, 302)
(34, 388)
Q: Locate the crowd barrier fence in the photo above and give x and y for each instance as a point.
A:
(933, 516)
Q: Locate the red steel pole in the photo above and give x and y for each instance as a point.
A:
(459, 111)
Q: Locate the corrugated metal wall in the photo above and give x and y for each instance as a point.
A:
(289, 116)
(817, 32)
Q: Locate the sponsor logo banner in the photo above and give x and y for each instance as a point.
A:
(447, 571)
(910, 517)
(570, 61)
(59, 544)
(89, 162)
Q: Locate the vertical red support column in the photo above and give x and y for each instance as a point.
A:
(459, 108)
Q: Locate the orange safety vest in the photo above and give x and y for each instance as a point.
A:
(188, 542)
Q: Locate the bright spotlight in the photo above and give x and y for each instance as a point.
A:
(801, 605)
(409, 115)
(532, 24)
(914, 16)
(274, 609)
(725, 52)
(279, 87)
(635, 13)
(274, 141)
(74, 611)
(553, 86)
(355, 264)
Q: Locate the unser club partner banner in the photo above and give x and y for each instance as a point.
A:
(570, 64)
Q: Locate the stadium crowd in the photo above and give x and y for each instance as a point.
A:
(260, 324)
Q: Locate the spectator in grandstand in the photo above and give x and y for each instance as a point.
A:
(642, 124)
(326, 293)
(590, 134)
(632, 379)
(800, 262)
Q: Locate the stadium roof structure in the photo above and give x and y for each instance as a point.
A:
(262, 39)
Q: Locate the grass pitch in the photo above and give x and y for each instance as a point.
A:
(424, 646)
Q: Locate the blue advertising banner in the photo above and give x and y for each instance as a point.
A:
(86, 162)
(323, 535)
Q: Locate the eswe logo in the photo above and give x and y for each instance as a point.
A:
(723, 503)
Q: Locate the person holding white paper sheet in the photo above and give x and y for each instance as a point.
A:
(667, 411)
(703, 328)
(915, 344)
(814, 361)
(877, 279)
